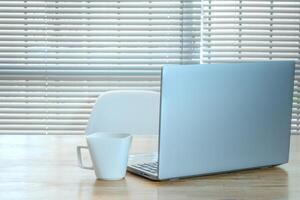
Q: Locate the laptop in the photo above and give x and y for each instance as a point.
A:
(220, 118)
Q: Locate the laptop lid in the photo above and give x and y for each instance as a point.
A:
(224, 117)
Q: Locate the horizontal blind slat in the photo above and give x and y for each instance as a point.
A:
(57, 57)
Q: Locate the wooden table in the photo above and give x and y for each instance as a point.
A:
(45, 167)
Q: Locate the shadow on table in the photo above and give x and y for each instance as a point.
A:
(268, 183)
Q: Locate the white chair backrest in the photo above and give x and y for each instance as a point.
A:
(134, 112)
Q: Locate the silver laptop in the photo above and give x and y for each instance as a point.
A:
(222, 117)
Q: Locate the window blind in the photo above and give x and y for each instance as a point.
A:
(235, 31)
(57, 56)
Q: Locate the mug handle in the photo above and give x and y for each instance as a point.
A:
(79, 157)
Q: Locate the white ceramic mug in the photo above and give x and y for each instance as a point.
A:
(109, 154)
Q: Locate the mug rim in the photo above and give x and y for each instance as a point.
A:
(109, 135)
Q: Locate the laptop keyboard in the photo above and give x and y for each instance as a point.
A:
(148, 167)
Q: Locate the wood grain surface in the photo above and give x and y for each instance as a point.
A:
(45, 167)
